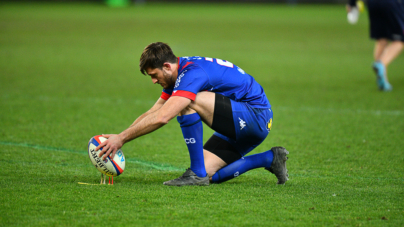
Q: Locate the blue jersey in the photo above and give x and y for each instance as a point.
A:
(197, 74)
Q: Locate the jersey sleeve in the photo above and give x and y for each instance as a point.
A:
(190, 82)
(166, 94)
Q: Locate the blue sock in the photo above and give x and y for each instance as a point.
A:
(192, 131)
(243, 165)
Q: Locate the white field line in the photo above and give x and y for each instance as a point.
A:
(61, 149)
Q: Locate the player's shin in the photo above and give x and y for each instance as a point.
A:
(192, 131)
(243, 165)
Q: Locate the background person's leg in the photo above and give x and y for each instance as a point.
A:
(391, 51)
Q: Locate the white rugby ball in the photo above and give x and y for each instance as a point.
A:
(111, 167)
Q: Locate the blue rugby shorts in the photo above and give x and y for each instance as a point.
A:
(252, 126)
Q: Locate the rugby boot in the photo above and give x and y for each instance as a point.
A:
(278, 166)
(381, 78)
(188, 178)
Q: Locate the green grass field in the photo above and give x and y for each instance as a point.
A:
(70, 71)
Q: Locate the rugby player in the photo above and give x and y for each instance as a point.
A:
(218, 93)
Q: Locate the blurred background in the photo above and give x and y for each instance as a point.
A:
(127, 2)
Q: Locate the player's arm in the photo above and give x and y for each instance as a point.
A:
(160, 102)
(155, 120)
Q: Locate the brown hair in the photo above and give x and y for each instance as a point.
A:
(155, 55)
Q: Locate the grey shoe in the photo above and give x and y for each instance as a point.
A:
(278, 166)
(188, 178)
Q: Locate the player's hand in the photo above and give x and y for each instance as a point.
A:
(109, 146)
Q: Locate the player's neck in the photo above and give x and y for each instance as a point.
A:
(175, 67)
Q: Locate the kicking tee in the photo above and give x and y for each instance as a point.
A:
(197, 74)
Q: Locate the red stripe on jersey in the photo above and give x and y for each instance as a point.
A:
(188, 63)
(165, 96)
(185, 94)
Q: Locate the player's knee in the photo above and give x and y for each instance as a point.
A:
(187, 110)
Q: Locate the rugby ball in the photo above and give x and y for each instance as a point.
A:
(110, 167)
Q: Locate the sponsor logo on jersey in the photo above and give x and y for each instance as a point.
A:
(178, 81)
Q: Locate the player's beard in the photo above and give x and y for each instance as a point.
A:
(167, 80)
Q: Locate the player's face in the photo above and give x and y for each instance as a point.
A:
(161, 76)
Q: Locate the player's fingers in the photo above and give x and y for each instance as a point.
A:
(113, 153)
(101, 146)
(104, 150)
(106, 135)
(107, 152)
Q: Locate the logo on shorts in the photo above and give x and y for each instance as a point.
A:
(236, 174)
(269, 125)
(242, 124)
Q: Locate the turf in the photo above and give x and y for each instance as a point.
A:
(70, 71)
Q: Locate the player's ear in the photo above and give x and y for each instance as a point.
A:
(167, 66)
